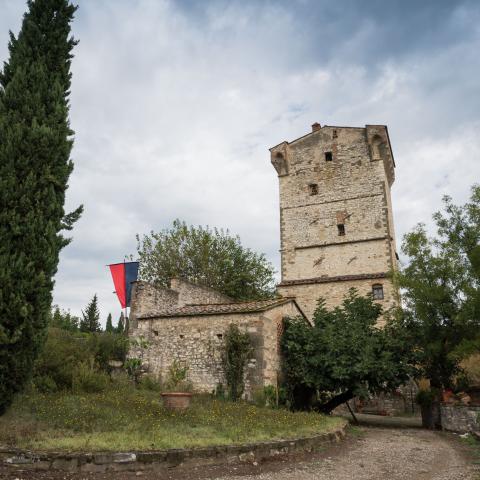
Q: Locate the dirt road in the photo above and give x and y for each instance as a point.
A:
(368, 454)
(380, 454)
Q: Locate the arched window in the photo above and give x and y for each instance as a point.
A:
(377, 291)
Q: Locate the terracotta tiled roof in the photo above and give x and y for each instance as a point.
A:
(218, 308)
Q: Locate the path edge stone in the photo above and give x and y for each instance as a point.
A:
(158, 460)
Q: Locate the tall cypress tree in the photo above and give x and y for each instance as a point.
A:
(35, 145)
(109, 325)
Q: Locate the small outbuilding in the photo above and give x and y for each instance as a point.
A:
(187, 322)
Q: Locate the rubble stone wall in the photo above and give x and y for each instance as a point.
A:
(196, 341)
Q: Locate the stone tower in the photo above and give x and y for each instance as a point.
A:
(336, 223)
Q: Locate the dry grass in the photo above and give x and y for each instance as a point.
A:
(126, 419)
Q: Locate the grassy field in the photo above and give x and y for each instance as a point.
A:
(128, 419)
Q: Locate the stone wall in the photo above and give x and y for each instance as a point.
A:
(147, 298)
(196, 341)
(333, 292)
(460, 418)
(192, 294)
(317, 195)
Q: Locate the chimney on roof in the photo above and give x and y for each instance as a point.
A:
(316, 126)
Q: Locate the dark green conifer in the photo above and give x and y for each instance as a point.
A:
(91, 317)
(121, 324)
(109, 325)
(35, 145)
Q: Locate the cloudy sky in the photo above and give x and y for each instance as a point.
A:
(175, 104)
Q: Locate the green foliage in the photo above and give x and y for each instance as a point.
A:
(441, 291)
(177, 378)
(64, 320)
(108, 346)
(35, 146)
(207, 256)
(67, 353)
(426, 398)
(266, 397)
(91, 317)
(344, 354)
(109, 325)
(54, 368)
(147, 382)
(133, 366)
(237, 350)
(86, 378)
(121, 324)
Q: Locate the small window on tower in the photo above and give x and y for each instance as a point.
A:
(377, 291)
(313, 189)
(341, 229)
(328, 156)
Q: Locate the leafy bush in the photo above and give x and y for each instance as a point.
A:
(425, 398)
(108, 346)
(177, 378)
(65, 352)
(133, 367)
(62, 353)
(147, 382)
(87, 379)
(343, 355)
(237, 350)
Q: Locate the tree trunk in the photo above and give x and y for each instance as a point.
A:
(333, 403)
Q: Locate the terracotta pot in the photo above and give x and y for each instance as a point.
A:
(177, 401)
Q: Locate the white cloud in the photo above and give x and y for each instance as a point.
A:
(174, 113)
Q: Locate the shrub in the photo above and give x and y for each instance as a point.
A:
(425, 398)
(108, 346)
(62, 353)
(237, 349)
(87, 379)
(147, 382)
(177, 378)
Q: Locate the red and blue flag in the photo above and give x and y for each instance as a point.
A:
(124, 274)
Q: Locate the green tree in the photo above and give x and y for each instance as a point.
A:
(35, 145)
(237, 350)
(121, 324)
(91, 317)
(441, 290)
(64, 320)
(344, 354)
(210, 257)
(108, 325)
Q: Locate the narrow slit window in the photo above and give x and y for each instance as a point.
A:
(377, 291)
(313, 189)
(328, 156)
(341, 229)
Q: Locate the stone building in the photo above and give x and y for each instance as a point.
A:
(336, 223)
(336, 232)
(186, 322)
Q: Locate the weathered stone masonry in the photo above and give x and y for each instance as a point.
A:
(176, 327)
(336, 222)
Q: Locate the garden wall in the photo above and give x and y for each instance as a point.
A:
(460, 418)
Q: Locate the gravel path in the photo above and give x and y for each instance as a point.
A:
(381, 454)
